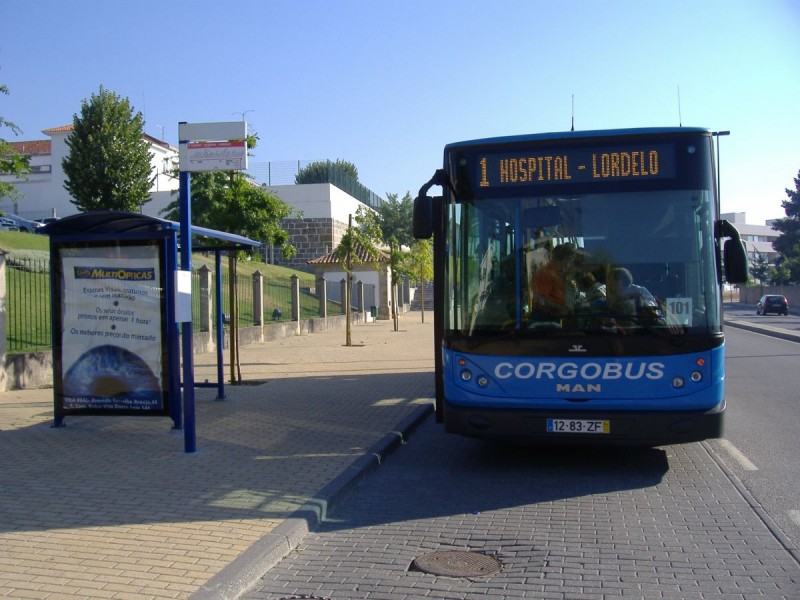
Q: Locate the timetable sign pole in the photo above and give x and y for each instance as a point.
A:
(203, 147)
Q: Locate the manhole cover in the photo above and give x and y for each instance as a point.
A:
(456, 563)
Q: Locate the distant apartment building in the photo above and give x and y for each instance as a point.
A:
(757, 238)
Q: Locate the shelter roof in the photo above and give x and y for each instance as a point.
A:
(121, 223)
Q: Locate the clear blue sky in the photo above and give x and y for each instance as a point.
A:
(385, 85)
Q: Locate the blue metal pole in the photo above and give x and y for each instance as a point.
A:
(220, 325)
(189, 438)
(173, 339)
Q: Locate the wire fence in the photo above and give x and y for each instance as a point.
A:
(28, 308)
(285, 173)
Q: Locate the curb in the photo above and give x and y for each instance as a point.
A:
(765, 330)
(245, 571)
(776, 531)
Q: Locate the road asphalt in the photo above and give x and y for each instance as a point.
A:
(114, 507)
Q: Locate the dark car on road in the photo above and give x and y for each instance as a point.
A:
(772, 303)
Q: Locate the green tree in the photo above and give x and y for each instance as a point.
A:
(790, 268)
(420, 267)
(108, 165)
(788, 242)
(395, 218)
(760, 268)
(236, 205)
(779, 274)
(322, 171)
(11, 161)
(397, 270)
(358, 244)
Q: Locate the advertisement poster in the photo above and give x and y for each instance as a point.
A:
(112, 329)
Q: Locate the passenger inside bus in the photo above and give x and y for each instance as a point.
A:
(591, 293)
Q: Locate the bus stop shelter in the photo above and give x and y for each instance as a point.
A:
(117, 299)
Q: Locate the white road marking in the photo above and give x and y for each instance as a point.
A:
(737, 455)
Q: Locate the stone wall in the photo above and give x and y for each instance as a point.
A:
(312, 238)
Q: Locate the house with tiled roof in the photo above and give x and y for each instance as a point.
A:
(372, 273)
(42, 193)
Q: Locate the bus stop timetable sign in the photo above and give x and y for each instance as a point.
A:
(213, 146)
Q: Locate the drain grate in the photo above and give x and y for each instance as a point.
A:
(457, 563)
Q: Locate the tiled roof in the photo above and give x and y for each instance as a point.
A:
(328, 259)
(68, 128)
(62, 129)
(32, 147)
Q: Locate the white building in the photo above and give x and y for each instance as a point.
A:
(757, 238)
(42, 193)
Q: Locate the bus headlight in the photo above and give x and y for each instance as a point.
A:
(677, 382)
(482, 381)
(466, 375)
(697, 376)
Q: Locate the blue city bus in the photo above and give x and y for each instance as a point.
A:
(578, 287)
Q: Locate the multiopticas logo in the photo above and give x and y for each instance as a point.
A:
(117, 273)
(590, 371)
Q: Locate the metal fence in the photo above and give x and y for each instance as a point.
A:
(28, 325)
(277, 300)
(27, 304)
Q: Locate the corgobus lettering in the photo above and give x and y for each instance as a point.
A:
(589, 371)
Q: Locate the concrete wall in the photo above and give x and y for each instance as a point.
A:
(318, 200)
(751, 295)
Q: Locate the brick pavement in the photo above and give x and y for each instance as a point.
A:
(566, 524)
(112, 507)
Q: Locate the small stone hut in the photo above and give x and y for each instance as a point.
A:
(374, 274)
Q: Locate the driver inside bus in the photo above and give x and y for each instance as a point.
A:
(625, 298)
(553, 289)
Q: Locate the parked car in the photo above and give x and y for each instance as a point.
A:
(772, 303)
(24, 224)
(8, 225)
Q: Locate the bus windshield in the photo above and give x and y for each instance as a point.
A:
(601, 263)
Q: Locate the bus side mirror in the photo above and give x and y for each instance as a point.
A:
(735, 258)
(423, 217)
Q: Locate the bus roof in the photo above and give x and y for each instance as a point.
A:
(573, 135)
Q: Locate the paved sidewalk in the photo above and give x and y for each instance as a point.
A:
(112, 507)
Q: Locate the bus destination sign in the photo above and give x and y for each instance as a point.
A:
(576, 165)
